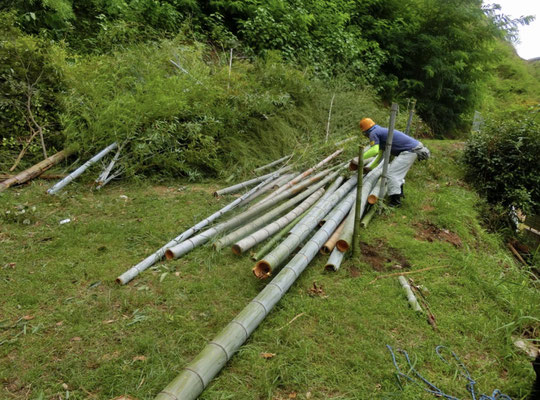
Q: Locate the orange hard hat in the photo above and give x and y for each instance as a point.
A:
(366, 123)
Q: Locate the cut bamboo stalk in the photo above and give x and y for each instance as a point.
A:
(264, 189)
(189, 244)
(58, 186)
(158, 255)
(4, 177)
(358, 205)
(331, 242)
(36, 170)
(103, 178)
(262, 234)
(333, 187)
(388, 149)
(345, 238)
(334, 261)
(411, 114)
(373, 197)
(353, 164)
(367, 217)
(410, 295)
(190, 383)
(283, 180)
(275, 258)
(245, 184)
(304, 174)
(276, 162)
(344, 141)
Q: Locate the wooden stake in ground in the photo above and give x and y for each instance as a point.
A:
(36, 170)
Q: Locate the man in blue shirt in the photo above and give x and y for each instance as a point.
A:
(405, 150)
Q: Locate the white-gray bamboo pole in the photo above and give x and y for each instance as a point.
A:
(190, 383)
(275, 258)
(334, 261)
(368, 216)
(411, 114)
(373, 195)
(264, 233)
(410, 295)
(242, 185)
(283, 180)
(276, 162)
(187, 245)
(158, 255)
(59, 185)
(266, 188)
(103, 178)
(344, 141)
(388, 149)
(329, 116)
(304, 174)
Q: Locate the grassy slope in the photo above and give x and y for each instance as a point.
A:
(103, 340)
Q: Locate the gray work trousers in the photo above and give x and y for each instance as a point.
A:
(401, 164)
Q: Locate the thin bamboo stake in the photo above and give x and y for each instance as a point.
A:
(272, 260)
(305, 173)
(158, 255)
(58, 186)
(329, 116)
(187, 245)
(406, 273)
(410, 295)
(388, 149)
(331, 242)
(230, 70)
(273, 163)
(242, 185)
(411, 114)
(36, 170)
(265, 232)
(190, 383)
(334, 261)
(358, 206)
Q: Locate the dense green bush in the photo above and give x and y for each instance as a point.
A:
(502, 161)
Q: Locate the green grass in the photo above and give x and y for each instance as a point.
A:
(103, 340)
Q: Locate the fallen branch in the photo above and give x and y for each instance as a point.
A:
(3, 177)
(515, 252)
(406, 273)
(291, 321)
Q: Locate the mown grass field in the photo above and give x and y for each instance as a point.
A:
(67, 330)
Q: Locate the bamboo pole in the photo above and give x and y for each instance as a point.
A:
(265, 188)
(410, 295)
(358, 206)
(329, 116)
(190, 383)
(265, 232)
(411, 114)
(103, 178)
(242, 185)
(283, 180)
(269, 165)
(304, 174)
(328, 247)
(367, 217)
(59, 185)
(334, 261)
(4, 177)
(187, 245)
(158, 255)
(275, 258)
(36, 170)
(373, 197)
(388, 149)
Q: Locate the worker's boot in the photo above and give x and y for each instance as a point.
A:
(402, 193)
(394, 200)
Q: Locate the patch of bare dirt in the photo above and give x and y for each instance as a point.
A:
(383, 257)
(430, 232)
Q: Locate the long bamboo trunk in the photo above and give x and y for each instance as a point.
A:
(58, 186)
(245, 184)
(158, 255)
(276, 162)
(328, 247)
(4, 177)
(373, 197)
(189, 244)
(275, 258)
(304, 174)
(36, 170)
(190, 383)
(262, 234)
(334, 261)
(264, 189)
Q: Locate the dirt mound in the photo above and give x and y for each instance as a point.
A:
(430, 232)
(383, 257)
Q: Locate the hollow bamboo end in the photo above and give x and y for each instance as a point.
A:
(353, 166)
(169, 255)
(330, 267)
(372, 199)
(119, 281)
(325, 250)
(236, 249)
(262, 269)
(216, 194)
(342, 246)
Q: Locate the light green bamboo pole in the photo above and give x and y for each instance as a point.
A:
(368, 216)
(265, 232)
(189, 244)
(358, 205)
(275, 258)
(388, 149)
(334, 261)
(190, 383)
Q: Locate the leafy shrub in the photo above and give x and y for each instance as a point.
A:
(502, 161)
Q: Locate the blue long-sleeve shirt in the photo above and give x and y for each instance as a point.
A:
(401, 142)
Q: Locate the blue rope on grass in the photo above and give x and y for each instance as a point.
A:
(496, 395)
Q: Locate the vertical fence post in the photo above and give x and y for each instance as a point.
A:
(357, 216)
(388, 148)
(411, 114)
